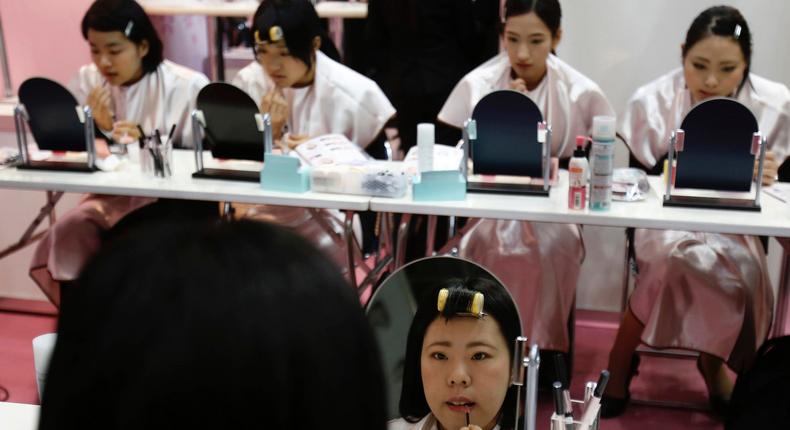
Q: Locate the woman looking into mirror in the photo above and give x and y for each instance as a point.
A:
(705, 292)
(308, 93)
(128, 85)
(538, 262)
(458, 359)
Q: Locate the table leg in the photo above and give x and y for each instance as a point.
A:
(348, 230)
(28, 237)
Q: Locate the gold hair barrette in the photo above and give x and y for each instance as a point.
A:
(474, 309)
(275, 33)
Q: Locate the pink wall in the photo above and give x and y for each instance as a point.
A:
(43, 38)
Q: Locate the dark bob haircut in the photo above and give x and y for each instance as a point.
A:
(548, 11)
(213, 325)
(722, 21)
(115, 15)
(300, 25)
(498, 304)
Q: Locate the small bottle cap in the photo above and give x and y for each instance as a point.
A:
(603, 127)
(580, 141)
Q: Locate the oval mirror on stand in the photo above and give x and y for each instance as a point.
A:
(394, 304)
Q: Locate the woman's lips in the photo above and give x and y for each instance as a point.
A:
(460, 404)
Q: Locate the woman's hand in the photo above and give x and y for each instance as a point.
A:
(100, 103)
(518, 85)
(102, 150)
(276, 106)
(125, 132)
(291, 141)
(770, 168)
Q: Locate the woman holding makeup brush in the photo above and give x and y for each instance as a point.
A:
(129, 86)
(308, 93)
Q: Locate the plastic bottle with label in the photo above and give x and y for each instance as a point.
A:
(578, 172)
(602, 160)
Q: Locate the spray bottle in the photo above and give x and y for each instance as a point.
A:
(578, 170)
(602, 157)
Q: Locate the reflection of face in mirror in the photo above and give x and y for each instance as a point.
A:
(457, 363)
(465, 367)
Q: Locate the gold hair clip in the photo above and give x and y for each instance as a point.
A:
(474, 309)
(275, 33)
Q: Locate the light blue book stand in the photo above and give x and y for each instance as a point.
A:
(284, 173)
(280, 172)
(445, 185)
(442, 185)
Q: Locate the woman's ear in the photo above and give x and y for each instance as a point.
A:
(316, 43)
(555, 40)
(142, 48)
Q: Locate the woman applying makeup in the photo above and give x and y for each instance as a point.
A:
(457, 366)
(308, 94)
(538, 262)
(704, 292)
(128, 85)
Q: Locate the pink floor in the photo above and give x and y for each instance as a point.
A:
(659, 378)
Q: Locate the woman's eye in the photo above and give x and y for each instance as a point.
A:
(115, 52)
(512, 40)
(94, 52)
(536, 41)
(438, 356)
(699, 66)
(728, 69)
(479, 356)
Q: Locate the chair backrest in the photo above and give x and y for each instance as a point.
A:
(231, 131)
(717, 150)
(507, 135)
(53, 116)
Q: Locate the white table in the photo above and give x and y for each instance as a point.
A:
(18, 416)
(773, 220)
(131, 182)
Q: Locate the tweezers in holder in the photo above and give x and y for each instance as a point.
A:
(558, 421)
